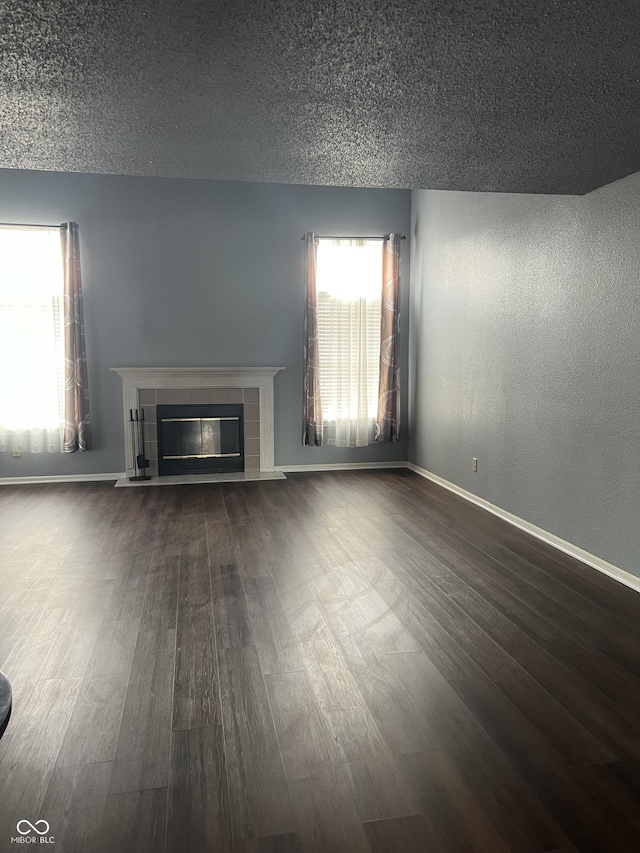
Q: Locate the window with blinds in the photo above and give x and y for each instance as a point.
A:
(349, 288)
(31, 339)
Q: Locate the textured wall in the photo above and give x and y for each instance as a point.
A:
(525, 353)
(181, 273)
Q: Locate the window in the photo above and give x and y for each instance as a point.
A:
(349, 289)
(31, 339)
(351, 382)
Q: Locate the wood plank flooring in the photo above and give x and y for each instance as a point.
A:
(354, 662)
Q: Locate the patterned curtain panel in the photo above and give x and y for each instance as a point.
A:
(77, 429)
(388, 423)
(312, 414)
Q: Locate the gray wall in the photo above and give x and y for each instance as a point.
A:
(525, 352)
(195, 273)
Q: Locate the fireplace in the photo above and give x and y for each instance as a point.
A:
(146, 388)
(200, 439)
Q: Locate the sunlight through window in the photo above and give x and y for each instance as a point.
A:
(31, 331)
(349, 285)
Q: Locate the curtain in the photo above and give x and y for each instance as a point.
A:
(77, 429)
(31, 347)
(388, 421)
(312, 433)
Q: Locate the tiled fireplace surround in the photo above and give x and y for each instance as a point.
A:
(150, 397)
(145, 388)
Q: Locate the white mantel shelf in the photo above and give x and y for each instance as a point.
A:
(195, 377)
(135, 379)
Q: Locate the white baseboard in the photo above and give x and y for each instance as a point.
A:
(340, 466)
(89, 478)
(61, 478)
(609, 569)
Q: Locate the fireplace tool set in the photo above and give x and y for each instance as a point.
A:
(140, 463)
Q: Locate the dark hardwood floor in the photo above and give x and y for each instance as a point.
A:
(336, 662)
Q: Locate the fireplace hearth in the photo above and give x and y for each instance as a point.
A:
(200, 439)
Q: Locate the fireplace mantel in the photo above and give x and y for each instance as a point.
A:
(135, 379)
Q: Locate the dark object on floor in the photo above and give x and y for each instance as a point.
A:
(5, 702)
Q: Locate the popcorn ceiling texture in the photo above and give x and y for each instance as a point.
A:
(471, 95)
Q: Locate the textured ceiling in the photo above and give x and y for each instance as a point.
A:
(527, 96)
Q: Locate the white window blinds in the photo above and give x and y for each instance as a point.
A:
(31, 339)
(349, 286)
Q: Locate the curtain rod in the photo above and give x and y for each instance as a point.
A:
(331, 237)
(26, 225)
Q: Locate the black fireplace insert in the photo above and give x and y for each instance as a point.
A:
(200, 439)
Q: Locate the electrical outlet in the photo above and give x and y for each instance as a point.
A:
(16, 454)
(474, 465)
